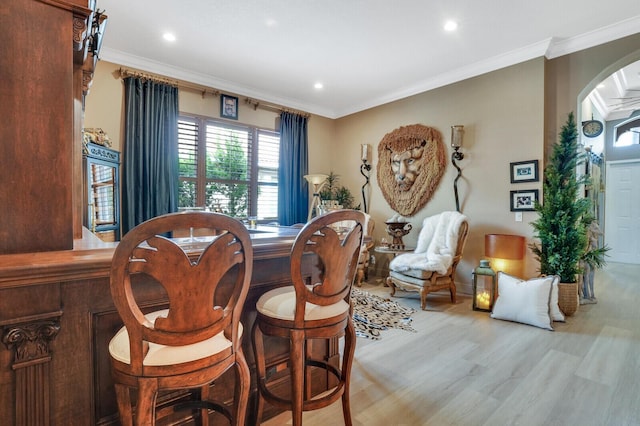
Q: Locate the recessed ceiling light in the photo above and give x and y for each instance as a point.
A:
(169, 36)
(271, 22)
(450, 25)
(318, 86)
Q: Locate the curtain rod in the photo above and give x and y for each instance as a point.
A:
(144, 76)
(181, 84)
(272, 107)
(161, 79)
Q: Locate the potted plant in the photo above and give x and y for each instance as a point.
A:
(564, 219)
(334, 192)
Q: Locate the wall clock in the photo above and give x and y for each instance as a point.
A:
(592, 128)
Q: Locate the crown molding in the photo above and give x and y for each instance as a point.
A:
(549, 48)
(594, 38)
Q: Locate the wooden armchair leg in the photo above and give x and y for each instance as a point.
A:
(452, 290)
(423, 299)
(389, 283)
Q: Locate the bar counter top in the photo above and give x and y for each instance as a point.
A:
(91, 257)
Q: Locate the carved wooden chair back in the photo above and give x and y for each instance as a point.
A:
(205, 280)
(337, 248)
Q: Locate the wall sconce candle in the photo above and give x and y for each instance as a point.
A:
(365, 152)
(365, 170)
(457, 133)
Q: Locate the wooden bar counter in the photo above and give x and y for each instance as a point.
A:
(57, 317)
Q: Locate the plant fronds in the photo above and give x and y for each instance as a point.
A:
(564, 216)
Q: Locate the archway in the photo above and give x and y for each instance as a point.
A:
(592, 104)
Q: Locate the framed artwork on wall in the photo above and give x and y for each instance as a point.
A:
(523, 200)
(229, 107)
(524, 171)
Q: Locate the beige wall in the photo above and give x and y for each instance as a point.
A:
(502, 113)
(104, 105)
(509, 115)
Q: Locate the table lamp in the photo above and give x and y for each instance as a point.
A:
(317, 180)
(505, 252)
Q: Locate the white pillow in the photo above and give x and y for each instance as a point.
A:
(554, 310)
(526, 302)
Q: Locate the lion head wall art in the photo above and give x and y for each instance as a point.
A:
(411, 162)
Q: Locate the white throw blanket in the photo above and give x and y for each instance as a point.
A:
(436, 247)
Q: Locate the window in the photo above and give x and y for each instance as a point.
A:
(229, 168)
(627, 133)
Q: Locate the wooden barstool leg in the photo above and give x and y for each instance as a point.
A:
(297, 353)
(147, 394)
(347, 363)
(204, 412)
(261, 371)
(124, 404)
(243, 381)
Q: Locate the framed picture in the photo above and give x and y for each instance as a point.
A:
(229, 107)
(524, 171)
(523, 200)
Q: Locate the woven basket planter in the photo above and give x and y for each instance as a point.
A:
(568, 301)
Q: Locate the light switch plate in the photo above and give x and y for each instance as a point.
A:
(518, 216)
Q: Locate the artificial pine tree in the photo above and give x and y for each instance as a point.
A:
(564, 215)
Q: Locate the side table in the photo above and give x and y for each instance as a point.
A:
(393, 251)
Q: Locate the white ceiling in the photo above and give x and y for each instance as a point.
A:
(365, 52)
(619, 94)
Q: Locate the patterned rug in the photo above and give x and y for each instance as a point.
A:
(373, 314)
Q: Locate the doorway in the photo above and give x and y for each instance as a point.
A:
(622, 221)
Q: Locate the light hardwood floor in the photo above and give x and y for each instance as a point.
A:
(464, 368)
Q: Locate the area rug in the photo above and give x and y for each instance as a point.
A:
(373, 314)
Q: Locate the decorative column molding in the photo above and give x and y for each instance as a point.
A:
(80, 31)
(29, 339)
(87, 79)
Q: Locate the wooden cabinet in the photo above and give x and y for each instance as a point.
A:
(102, 190)
(43, 45)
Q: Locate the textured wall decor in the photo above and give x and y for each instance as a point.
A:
(411, 162)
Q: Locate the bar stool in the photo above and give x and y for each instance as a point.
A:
(198, 337)
(318, 310)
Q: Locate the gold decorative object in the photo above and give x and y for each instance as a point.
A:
(97, 136)
(397, 230)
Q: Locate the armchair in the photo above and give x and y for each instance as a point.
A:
(432, 266)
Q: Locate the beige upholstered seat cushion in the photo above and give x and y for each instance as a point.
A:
(412, 276)
(168, 355)
(280, 303)
(420, 274)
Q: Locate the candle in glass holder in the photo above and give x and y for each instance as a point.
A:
(365, 151)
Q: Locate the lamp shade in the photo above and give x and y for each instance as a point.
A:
(506, 252)
(316, 179)
(504, 246)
